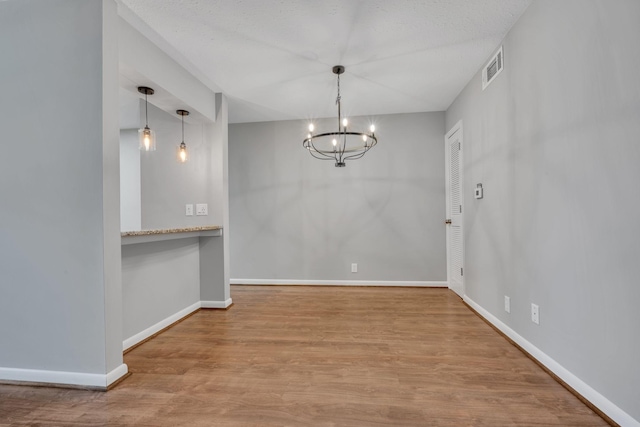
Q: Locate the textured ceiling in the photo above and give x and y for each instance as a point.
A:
(273, 58)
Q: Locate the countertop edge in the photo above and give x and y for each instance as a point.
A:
(169, 231)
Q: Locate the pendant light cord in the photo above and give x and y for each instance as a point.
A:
(146, 110)
(182, 115)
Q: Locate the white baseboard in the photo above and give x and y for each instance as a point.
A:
(141, 336)
(62, 377)
(422, 284)
(601, 402)
(216, 304)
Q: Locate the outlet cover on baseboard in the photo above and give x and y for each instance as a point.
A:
(354, 268)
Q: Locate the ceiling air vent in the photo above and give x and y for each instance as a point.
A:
(493, 68)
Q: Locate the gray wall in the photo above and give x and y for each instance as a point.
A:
(59, 217)
(219, 183)
(168, 185)
(295, 217)
(161, 278)
(130, 196)
(554, 140)
(112, 275)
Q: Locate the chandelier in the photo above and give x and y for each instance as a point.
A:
(342, 145)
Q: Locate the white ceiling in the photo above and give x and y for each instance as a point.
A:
(273, 58)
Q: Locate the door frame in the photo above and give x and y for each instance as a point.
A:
(457, 128)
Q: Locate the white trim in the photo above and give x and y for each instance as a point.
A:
(116, 374)
(141, 336)
(447, 213)
(63, 377)
(216, 304)
(418, 284)
(601, 402)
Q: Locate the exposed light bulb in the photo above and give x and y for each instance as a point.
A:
(311, 127)
(334, 142)
(147, 141)
(372, 128)
(345, 122)
(364, 138)
(182, 152)
(308, 136)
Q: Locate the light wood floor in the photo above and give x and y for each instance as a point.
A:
(325, 356)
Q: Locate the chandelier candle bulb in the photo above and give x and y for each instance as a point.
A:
(350, 147)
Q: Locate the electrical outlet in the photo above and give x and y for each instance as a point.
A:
(202, 209)
(507, 304)
(354, 268)
(535, 314)
(189, 210)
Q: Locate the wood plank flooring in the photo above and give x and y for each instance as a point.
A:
(318, 356)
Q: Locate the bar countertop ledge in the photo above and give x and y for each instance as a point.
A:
(145, 236)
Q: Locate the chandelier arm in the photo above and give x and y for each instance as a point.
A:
(345, 150)
(356, 156)
(313, 149)
(359, 155)
(321, 152)
(321, 158)
(320, 155)
(317, 136)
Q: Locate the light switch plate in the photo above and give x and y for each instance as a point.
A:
(189, 209)
(202, 209)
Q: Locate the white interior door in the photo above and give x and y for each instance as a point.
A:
(455, 252)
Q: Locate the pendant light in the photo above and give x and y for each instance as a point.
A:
(147, 136)
(346, 144)
(182, 148)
